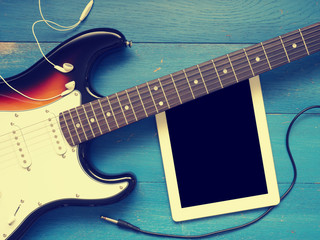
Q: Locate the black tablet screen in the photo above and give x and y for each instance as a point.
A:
(215, 147)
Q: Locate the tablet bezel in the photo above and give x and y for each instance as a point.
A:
(229, 206)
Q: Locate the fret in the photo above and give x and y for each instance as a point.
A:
(294, 45)
(209, 76)
(126, 106)
(76, 121)
(225, 71)
(235, 75)
(92, 121)
(99, 111)
(79, 124)
(311, 36)
(136, 103)
(204, 82)
(195, 81)
(284, 48)
(164, 94)
(108, 114)
(74, 125)
(146, 98)
(217, 73)
(132, 109)
(257, 59)
(175, 88)
(169, 91)
(141, 102)
(67, 128)
(241, 65)
(122, 109)
(266, 56)
(116, 110)
(112, 113)
(85, 122)
(152, 98)
(186, 77)
(158, 95)
(275, 52)
(304, 42)
(248, 61)
(182, 86)
(95, 118)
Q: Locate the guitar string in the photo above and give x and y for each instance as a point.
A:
(147, 92)
(34, 144)
(250, 50)
(170, 84)
(184, 79)
(142, 93)
(120, 124)
(170, 94)
(119, 113)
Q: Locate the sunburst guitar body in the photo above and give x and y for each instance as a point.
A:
(39, 170)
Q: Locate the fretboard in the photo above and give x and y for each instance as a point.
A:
(109, 113)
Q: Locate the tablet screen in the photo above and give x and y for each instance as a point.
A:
(215, 147)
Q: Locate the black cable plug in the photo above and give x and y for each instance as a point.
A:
(122, 224)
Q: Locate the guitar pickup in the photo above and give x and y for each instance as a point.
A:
(55, 134)
(20, 147)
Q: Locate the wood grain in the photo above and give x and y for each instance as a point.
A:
(169, 36)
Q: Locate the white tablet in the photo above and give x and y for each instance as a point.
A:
(217, 155)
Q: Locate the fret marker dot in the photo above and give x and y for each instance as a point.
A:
(78, 125)
(294, 45)
(196, 81)
(126, 107)
(225, 71)
(257, 59)
(92, 120)
(160, 103)
(108, 114)
(155, 88)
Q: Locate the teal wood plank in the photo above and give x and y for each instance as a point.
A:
(169, 36)
(163, 21)
(147, 207)
(287, 89)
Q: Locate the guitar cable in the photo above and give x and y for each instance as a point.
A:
(126, 225)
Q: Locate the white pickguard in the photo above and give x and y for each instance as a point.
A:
(38, 167)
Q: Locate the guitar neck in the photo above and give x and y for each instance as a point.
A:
(109, 113)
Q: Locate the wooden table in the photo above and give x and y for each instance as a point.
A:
(169, 36)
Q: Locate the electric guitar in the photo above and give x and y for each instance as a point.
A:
(43, 159)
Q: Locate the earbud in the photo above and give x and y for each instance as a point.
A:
(70, 86)
(67, 67)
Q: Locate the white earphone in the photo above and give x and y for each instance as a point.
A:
(66, 67)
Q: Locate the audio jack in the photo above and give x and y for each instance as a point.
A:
(121, 223)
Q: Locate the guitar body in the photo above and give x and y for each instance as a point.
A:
(39, 169)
